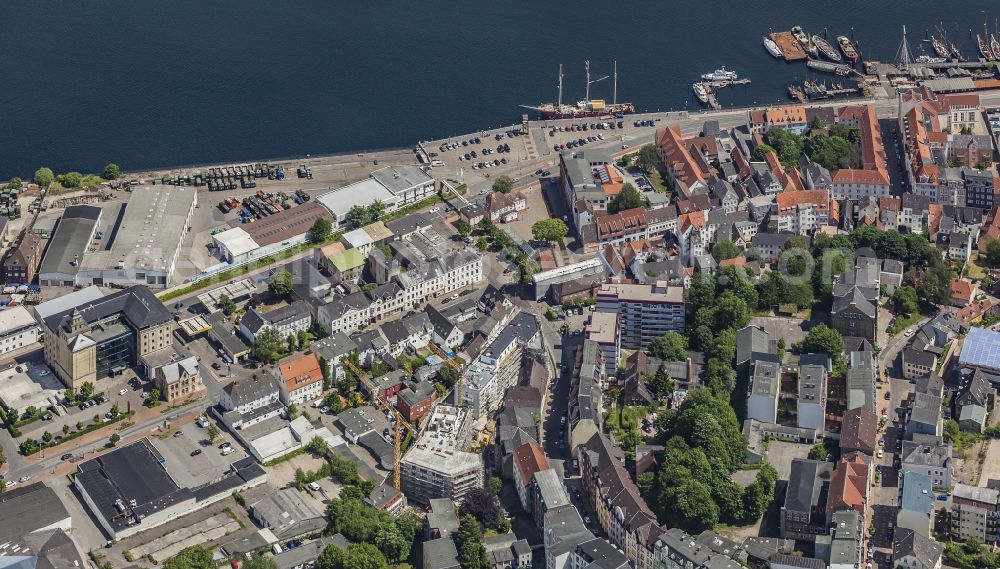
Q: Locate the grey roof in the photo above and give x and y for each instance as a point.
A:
(440, 553)
(334, 346)
(976, 493)
(398, 179)
(25, 509)
(918, 454)
(70, 240)
(409, 224)
(308, 552)
(598, 553)
(807, 484)
(918, 357)
(926, 409)
(981, 349)
(550, 489)
(812, 383)
(973, 413)
(289, 513)
(931, 384)
(382, 495)
(225, 334)
(133, 472)
(137, 304)
(765, 380)
(917, 496)
(358, 421)
(255, 320)
(860, 381)
(256, 387)
(908, 543)
(771, 239)
(783, 560)
(853, 297)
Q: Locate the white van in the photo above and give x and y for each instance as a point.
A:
(314, 487)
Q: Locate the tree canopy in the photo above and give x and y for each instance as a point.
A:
(111, 172)
(905, 299)
(469, 541)
(70, 179)
(503, 185)
(647, 159)
(993, 253)
(360, 523)
(280, 283)
(321, 230)
(44, 177)
(821, 339)
(550, 229)
(725, 249)
(671, 347)
(268, 345)
(483, 505)
(628, 198)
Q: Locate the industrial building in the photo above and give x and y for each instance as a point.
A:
(394, 186)
(437, 465)
(142, 240)
(17, 329)
(129, 489)
(103, 337)
(69, 243)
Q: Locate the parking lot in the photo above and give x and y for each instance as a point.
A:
(203, 467)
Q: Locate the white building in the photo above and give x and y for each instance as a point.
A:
(249, 396)
(801, 212)
(498, 366)
(17, 329)
(235, 245)
(288, 320)
(394, 186)
(645, 312)
(762, 397)
(437, 464)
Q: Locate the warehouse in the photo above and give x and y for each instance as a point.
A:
(394, 186)
(72, 237)
(143, 239)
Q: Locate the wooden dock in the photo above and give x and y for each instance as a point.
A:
(790, 47)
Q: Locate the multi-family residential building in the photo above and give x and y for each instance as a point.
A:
(288, 320)
(299, 378)
(803, 515)
(791, 118)
(497, 366)
(681, 169)
(251, 400)
(975, 513)
(872, 179)
(21, 263)
(910, 550)
(437, 464)
(860, 388)
(645, 312)
(916, 503)
(933, 460)
(800, 212)
(528, 459)
(602, 328)
(811, 407)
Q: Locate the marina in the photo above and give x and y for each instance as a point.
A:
(790, 47)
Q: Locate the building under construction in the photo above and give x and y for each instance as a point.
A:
(437, 465)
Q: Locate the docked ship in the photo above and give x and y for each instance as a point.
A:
(825, 66)
(772, 47)
(701, 92)
(587, 107)
(826, 49)
(995, 45)
(955, 52)
(984, 48)
(848, 49)
(940, 48)
(720, 75)
(803, 38)
(929, 59)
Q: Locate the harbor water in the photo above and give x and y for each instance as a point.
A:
(148, 83)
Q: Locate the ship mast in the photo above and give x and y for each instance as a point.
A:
(903, 57)
(559, 102)
(586, 66)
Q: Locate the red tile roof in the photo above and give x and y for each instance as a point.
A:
(529, 459)
(298, 372)
(675, 154)
(848, 485)
(817, 198)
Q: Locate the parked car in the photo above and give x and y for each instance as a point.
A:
(196, 452)
(122, 391)
(66, 456)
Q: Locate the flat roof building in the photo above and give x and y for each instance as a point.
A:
(68, 245)
(393, 186)
(437, 465)
(143, 239)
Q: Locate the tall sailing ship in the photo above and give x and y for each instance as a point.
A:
(587, 107)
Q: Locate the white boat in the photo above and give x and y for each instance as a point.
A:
(929, 59)
(701, 92)
(772, 47)
(720, 75)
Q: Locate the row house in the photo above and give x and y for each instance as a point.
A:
(791, 118)
(801, 212)
(692, 235)
(872, 179)
(622, 513)
(621, 227)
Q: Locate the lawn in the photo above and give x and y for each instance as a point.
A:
(624, 419)
(659, 185)
(974, 270)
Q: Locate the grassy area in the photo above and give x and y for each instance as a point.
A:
(974, 270)
(624, 419)
(659, 184)
(902, 323)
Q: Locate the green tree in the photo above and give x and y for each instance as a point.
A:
(321, 230)
(114, 439)
(46, 437)
(647, 159)
(818, 452)
(993, 253)
(65, 429)
(358, 216)
(661, 383)
(449, 375)
(816, 123)
(302, 339)
(495, 485)
(503, 185)
(759, 494)
(70, 179)
(905, 299)
(469, 541)
(628, 198)
(670, 347)
(44, 177)
(268, 345)
(194, 557)
(154, 398)
(87, 390)
(331, 558)
(111, 172)
(463, 228)
(227, 305)
(291, 342)
(376, 210)
(821, 339)
(280, 283)
(212, 432)
(364, 556)
(763, 150)
(324, 368)
(725, 249)
(550, 230)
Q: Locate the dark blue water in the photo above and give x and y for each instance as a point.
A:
(154, 83)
